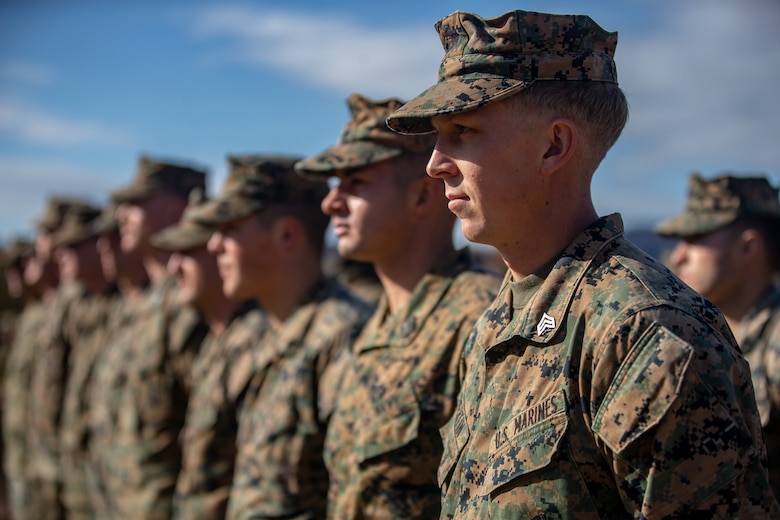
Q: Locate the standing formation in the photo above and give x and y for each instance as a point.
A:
(174, 355)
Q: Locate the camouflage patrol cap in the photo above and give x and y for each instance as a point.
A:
(56, 210)
(77, 226)
(713, 204)
(488, 59)
(16, 250)
(255, 182)
(366, 139)
(107, 222)
(188, 233)
(154, 176)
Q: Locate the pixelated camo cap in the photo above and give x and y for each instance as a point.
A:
(488, 59)
(154, 177)
(366, 139)
(77, 226)
(713, 204)
(16, 250)
(255, 182)
(56, 209)
(188, 233)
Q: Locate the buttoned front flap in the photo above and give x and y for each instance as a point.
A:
(527, 442)
(454, 436)
(394, 423)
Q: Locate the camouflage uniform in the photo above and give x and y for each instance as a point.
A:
(601, 386)
(222, 372)
(547, 419)
(712, 205)
(279, 469)
(18, 375)
(383, 445)
(759, 339)
(139, 397)
(93, 332)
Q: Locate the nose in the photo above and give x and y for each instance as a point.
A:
(174, 263)
(333, 203)
(214, 244)
(440, 165)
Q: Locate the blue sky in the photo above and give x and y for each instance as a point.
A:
(86, 86)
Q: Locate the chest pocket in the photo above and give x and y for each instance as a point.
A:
(526, 443)
(393, 423)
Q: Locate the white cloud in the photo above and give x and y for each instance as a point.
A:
(29, 124)
(331, 52)
(25, 72)
(703, 86)
(34, 180)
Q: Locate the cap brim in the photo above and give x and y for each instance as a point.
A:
(459, 94)
(689, 224)
(344, 157)
(223, 211)
(130, 194)
(179, 238)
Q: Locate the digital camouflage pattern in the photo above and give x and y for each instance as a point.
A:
(713, 204)
(16, 389)
(141, 385)
(615, 392)
(279, 469)
(400, 387)
(759, 339)
(188, 233)
(47, 389)
(221, 375)
(154, 176)
(89, 330)
(255, 182)
(365, 139)
(487, 59)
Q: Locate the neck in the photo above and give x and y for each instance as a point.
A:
(737, 305)
(292, 288)
(154, 266)
(526, 255)
(217, 312)
(401, 273)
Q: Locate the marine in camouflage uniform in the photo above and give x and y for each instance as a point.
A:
(49, 360)
(209, 435)
(83, 332)
(729, 251)
(597, 385)
(142, 378)
(269, 247)
(401, 383)
(16, 371)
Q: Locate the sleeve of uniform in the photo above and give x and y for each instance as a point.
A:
(677, 418)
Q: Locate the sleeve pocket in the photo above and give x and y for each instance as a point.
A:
(454, 436)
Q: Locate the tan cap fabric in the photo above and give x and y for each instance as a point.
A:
(56, 210)
(154, 176)
(77, 226)
(487, 59)
(255, 182)
(713, 204)
(366, 139)
(188, 233)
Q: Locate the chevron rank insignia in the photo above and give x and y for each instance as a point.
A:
(545, 325)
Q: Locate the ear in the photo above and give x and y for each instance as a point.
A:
(287, 232)
(427, 192)
(562, 138)
(751, 244)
